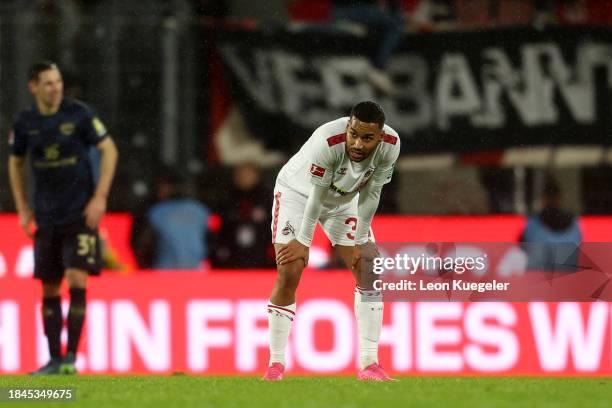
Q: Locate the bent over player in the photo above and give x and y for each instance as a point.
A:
(57, 134)
(335, 179)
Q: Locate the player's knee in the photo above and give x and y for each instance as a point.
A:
(51, 288)
(289, 276)
(288, 282)
(76, 278)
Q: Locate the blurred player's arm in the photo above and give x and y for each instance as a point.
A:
(17, 179)
(108, 162)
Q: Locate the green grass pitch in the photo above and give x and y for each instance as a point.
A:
(336, 392)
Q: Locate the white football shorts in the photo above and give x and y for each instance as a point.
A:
(338, 223)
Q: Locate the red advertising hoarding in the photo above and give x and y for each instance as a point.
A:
(16, 249)
(215, 323)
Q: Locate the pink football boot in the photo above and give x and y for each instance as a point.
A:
(373, 372)
(274, 372)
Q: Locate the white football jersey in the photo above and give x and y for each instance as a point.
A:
(324, 160)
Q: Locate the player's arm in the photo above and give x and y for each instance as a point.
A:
(108, 164)
(96, 207)
(18, 143)
(17, 177)
(298, 248)
(369, 197)
(321, 174)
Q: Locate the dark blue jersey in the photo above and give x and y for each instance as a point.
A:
(58, 146)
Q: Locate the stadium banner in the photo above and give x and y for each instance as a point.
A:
(457, 91)
(16, 256)
(216, 323)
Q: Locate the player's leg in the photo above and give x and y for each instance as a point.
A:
(81, 255)
(368, 302)
(340, 227)
(287, 280)
(282, 306)
(77, 284)
(48, 268)
(287, 215)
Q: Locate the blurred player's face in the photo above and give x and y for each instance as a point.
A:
(246, 177)
(48, 89)
(361, 138)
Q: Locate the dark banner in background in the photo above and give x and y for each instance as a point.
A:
(453, 91)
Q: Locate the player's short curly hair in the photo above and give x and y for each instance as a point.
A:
(38, 67)
(369, 112)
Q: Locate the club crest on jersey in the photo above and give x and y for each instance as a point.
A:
(288, 229)
(67, 128)
(317, 171)
(341, 171)
(52, 152)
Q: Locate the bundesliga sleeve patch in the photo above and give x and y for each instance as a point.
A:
(317, 171)
(99, 127)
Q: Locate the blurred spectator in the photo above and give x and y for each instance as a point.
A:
(243, 240)
(499, 184)
(210, 8)
(172, 233)
(552, 237)
(141, 240)
(429, 15)
(386, 20)
(591, 12)
(544, 13)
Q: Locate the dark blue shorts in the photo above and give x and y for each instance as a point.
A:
(57, 248)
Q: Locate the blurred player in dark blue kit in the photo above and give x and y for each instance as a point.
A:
(57, 133)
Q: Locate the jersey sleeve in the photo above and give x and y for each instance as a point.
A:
(323, 159)
(384, 171)
(93, 130)
(18, 139)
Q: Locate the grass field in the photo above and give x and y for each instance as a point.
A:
(336, 392)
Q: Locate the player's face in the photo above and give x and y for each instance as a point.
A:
(49, 88)
(361, 138)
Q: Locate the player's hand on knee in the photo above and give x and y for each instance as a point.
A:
(94, 211)
(292, 252)
(26, 221)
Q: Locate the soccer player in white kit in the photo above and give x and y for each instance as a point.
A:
(335, 179)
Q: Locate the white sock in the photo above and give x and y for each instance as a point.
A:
(369, 315)
(279, 325)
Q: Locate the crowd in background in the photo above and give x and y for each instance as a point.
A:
(177, 226)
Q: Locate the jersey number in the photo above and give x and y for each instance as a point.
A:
(352, 221)
(87, 244)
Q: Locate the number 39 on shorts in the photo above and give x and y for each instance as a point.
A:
(87, 244)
